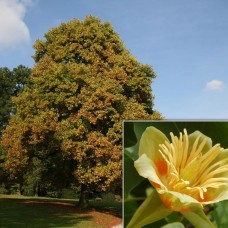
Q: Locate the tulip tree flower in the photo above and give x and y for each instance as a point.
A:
(186, 173)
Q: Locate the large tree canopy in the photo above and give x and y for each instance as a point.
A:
(84, 84)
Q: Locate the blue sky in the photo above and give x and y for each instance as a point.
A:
(186, 43)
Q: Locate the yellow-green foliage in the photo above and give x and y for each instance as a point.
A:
(85, 83)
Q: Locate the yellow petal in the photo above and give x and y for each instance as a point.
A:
(149, 142)
(178, 202)
(214, 195)
(197, 134)
(223, 159)
(146, 169)
(174, 225)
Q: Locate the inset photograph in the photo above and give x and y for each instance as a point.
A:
(175, 174)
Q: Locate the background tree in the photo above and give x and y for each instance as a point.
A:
(11, 83)
(84, 84)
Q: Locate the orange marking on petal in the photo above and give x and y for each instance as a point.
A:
(156, 185)
(185, 209)
(167, 202)
(170, 204)
(206, 198)
(161, 166)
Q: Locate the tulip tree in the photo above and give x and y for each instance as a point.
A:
(84, 83)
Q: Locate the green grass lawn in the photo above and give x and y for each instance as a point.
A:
(18, 211)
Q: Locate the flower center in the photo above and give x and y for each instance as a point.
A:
(190, 168)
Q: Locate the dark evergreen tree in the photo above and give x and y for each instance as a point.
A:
(11, 84)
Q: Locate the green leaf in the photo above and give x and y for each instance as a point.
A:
(131, 176)
(129, 134)
(220, 213)
(130, 206)
(138, 128)
(198, 219)
(151, 210)
(216, 131)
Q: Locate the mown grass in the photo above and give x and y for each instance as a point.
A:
(18, 211)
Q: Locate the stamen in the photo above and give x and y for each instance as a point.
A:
(213, 173)
(165, 152)
(210, 156)
(173, 153)
(180, 150)
(219, 180)
(215, 185)
(192, 152)
(187, 173)
(164, 157)
(201, 146)
(174, 147)
(186, 182)
(181, 162)
(200, 192)
(185, 150)
(217, 165)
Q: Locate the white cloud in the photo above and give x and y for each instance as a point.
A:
(13, 29)
(215, 85)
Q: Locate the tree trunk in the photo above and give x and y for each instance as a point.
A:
(83, 201)
(19, 190)
(37, 189)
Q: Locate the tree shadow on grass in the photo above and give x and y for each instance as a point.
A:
(108, 210)
(38, 213)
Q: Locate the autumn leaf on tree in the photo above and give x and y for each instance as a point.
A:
(84, 84)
